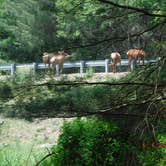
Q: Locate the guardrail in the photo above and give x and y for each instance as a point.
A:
(81, 64)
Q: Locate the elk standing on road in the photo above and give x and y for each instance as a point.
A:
(116, 58)
(46, 58)
(134, 55)
(59, 59)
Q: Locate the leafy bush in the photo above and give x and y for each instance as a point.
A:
(5, 91)
(89, 72)
(86, 142)
(48, 100)
(155, 153)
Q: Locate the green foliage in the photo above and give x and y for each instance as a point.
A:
(49, 100)
(154, 153)
(21, 39)
(94, 142)
(24, 76)
(29, 27)
(29, 100)
(89, 73)
(86, 142)
(152, 156)
(5, 91)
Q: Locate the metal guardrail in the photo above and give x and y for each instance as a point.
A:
(81, 64)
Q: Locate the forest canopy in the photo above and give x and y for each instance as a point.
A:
(89, 29)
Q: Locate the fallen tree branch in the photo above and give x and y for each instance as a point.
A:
(109, 111)
(90, 83)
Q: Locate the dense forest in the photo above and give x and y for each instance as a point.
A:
(88, 29)
(119, 122)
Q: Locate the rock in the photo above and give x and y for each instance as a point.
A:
(3, 145)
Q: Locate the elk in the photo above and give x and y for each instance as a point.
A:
(46, 58)
(116, 58)
(134, 55)
(59, 59)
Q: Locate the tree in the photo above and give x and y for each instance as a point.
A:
(28, 29)
(104, 26)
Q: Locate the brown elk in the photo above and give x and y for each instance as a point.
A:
(59, 59)
(55, 59)
(46, 58)
(134, 55)
(116, 58)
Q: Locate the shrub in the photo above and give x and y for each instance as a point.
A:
(5, 91)
(86, 142)
(89, 73)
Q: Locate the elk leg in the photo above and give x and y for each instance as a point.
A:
(54, 68)
(113, 67)
(139, 61)
(120, 66)
(49, 68)
(61, 68)
(110, 67)
(134, 63)
(143, 61)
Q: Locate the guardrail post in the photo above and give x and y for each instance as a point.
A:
(57, 70)
(133, 64)
(82, 65)
(106, 65)
(13, 69)
(158, 58)
(35, 66)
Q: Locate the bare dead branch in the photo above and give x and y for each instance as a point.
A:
(111, 110)
(45, 157)
(118, 38)
(136, 9)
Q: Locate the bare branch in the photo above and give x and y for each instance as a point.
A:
(139, 10)
(76, 6)
(45, 157)
(118, 38)
(110, 111)
(91, 83)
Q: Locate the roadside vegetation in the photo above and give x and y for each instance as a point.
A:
(116, 121)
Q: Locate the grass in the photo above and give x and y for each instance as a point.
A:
(24, 143)
(16, 149)
(20, 154)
